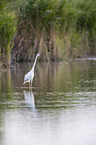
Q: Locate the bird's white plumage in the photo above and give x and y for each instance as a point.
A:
(30, 75)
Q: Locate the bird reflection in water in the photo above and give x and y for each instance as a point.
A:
(29, 99)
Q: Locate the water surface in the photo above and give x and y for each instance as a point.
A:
(59, 109)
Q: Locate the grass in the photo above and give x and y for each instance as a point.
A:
(7, 32)
(57, 29)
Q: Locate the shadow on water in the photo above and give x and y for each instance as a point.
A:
(29, 99)
(60, 105)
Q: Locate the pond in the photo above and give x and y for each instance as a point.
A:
(60, 108)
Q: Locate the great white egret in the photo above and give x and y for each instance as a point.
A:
(30, 75)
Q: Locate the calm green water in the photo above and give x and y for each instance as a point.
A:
(60, 109)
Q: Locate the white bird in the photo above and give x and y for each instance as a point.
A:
(30, 75)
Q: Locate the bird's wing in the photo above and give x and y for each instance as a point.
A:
(28, 76)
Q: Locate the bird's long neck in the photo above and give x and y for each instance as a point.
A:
(34, 62)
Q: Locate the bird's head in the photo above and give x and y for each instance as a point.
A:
(38, 54)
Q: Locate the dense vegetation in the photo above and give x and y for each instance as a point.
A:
(7, 31)
(58, 29)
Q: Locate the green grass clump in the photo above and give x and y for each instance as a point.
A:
(7, 32)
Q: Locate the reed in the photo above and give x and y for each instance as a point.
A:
(57, 29)
(7, 32)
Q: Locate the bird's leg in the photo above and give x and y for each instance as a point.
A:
(31, 83)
